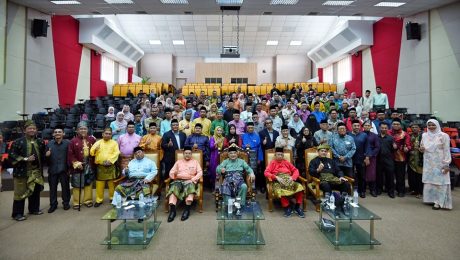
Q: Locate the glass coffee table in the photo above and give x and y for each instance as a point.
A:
(135, 229)
(346, 231)
(243, 229)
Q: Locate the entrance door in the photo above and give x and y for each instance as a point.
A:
(180, 82)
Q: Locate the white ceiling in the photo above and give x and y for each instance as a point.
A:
(202, 33)
(249, 7)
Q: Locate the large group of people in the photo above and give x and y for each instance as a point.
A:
(377, 152)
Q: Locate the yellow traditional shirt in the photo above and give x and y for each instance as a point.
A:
(151, 143)
(206, 123)
(183, 124)
(108, 150)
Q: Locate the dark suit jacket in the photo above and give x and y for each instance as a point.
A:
(169, 152)
(19, 151)
(270, 143)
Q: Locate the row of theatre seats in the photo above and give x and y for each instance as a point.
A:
(121, 90)
(263, 89)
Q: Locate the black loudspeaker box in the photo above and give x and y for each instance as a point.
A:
(39, 28)
(413, 31)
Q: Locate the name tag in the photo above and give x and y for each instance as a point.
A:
(347, 143)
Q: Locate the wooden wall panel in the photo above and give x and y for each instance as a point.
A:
(226, 71)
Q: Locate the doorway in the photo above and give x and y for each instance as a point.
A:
(180, 82)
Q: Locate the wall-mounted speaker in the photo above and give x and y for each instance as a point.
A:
(39, 28)
(413, 31)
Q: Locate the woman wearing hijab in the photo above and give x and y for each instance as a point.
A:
(240, 102)
(312, 123)
(295, 126)
(436, 172)
(169, 104)
(232, 137)
(111, 114)
(118, 126)
(304, 141)
(216, 143)
(212, 114)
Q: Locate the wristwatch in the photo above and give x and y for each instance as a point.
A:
(25, 159)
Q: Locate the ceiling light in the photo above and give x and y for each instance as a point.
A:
(295, 43)
(174, 2)
(390, 4)
(229, 2)
(272, 42)
(155, 42)
(284, 2)
(339, 3)
(65, 2)
(119, 1)
(178, 42)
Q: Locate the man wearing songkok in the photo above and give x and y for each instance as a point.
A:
(203, 121)
(140, 172)
(199, 142)
(284, 176)
(251, 140)
(165, 124)
(185, 125)
(151, 142)
(105, 152)
(232, 170)
(172, 140)
(285, 140)
(126, 144)
(323, 136)
(343, 148)
(81, 165)
(238, 123)
(185, 174)
(27, 157)
(401, 146)
(326, 170)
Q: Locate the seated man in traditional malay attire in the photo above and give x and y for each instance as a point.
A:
(140, 173)
(284, 175)
(185, 175)
(232, 169)
(328, 172)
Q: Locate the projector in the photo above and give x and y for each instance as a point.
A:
(230, 52)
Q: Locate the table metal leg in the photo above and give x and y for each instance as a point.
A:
(109, 234)
(223, 234)
(145, 233)
(336, 234)
(371, 231)
(321, 218)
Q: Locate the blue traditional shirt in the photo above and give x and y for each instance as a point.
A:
(144, 168)
(165, 126)
(201, 141)
(254, 143)
(343, 146)
(319, 116)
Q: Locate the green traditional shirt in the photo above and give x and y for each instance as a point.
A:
(415, 156)
(222, 123)
(234, 165)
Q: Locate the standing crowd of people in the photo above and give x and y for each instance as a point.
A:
(379, 153)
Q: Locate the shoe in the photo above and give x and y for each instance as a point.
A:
(66, 206)
(263, 189)
(97, 204)
(436, 207)
(20, 218)
(287, 212)
(52, 209)
(373, 193)
(89, 205)
(401, 194)
(185, 215)
(379, 192)
(362, 195)
(171, 216)
(36, 213)
(299, 212)
(391, 195)
(418, 196)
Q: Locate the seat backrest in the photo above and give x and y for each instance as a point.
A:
(154, 156)
(197, 155)
(270, 155)
(241, 154)
(310, 154)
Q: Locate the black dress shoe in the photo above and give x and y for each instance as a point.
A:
(97, 204)
(171, 216)
(185, 215)
(20, 218)
(391, 195)
(52, 209)
(373, 193)
(379, 192)
(36, 213)
(263, 189)
(362, 195)
(66, 206)
(401, 194)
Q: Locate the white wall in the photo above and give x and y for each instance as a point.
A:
(41, 83)
(445, 65)
(414, 59)
(269, 65)
(159, 67)
(12, 90)
(187, 65)
(368, 71)
(292, 68)
(2, 40)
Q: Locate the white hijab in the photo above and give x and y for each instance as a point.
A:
(433, 137)
(437, 131)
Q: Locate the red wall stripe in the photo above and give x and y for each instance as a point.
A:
(385, 54)
(98, 86)
(130, 75)
(67, 56)
(320, 74)
(356, 82)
